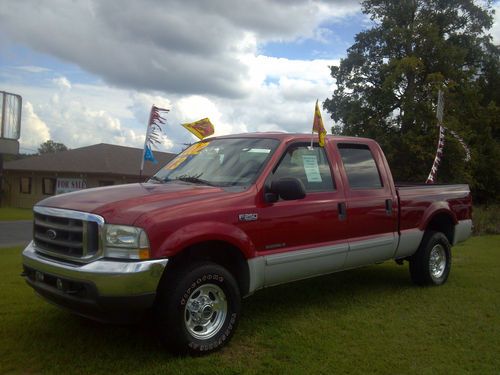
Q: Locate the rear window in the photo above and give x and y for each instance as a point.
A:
(360, 166)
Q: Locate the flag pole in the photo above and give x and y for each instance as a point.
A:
(146, 140)
(312, 131)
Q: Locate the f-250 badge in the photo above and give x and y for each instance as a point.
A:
(248, 217)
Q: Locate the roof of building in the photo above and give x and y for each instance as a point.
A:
(101, 158)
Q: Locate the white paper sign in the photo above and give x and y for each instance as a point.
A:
(66, 185)
(311, 168)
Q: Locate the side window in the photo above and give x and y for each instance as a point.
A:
(360, 166)
(309, 165)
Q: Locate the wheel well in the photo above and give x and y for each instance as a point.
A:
(442, 223)
(222, 253)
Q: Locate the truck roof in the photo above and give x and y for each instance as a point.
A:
(291, 136)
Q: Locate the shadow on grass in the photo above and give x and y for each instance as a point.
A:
(52, 337)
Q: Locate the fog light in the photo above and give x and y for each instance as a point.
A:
(38, 276)
(59, 284)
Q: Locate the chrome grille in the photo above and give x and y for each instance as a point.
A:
(67, 234)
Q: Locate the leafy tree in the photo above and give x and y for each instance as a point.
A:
(50, 146)
(387, 88)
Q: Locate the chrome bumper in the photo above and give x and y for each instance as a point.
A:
(104, 290)
(111, 278)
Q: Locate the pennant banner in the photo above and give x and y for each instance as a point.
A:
(318, 126)
(439, 152)
(153, 134)
(201, 128)
(437, 159)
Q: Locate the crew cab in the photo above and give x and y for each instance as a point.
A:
(229, 216)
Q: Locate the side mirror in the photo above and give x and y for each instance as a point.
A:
(288, 188)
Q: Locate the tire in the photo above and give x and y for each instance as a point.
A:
(431, 264)
(198, 309)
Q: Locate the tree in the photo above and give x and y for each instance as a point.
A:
(387, 88)
(50, 146)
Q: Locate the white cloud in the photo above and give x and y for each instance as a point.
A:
(33, 130)
(62, 83)
(33, 69)
(179, 47)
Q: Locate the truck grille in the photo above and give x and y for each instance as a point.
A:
(66, 234)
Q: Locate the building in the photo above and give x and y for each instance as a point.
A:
(30, 180)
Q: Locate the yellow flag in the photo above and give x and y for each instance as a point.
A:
(318, 126)
(201, 128)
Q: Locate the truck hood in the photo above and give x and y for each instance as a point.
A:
(123, 204)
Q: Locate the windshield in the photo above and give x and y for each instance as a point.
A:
(220, 162)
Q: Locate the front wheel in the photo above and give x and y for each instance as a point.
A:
(431, 264)
(199, 310)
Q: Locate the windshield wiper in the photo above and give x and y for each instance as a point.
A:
(194, 180)
(154, 178)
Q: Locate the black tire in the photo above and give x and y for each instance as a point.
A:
(198, 309)
(431, 264)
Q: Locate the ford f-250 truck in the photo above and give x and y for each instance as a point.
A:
(231, 215)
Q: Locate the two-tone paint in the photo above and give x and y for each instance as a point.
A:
(285, 240)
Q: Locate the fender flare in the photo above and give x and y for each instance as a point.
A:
(205, 231)
(436, 208)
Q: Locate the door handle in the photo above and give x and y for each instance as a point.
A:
(342, 211)
(388, 207)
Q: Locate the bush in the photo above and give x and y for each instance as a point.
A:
(486, 219)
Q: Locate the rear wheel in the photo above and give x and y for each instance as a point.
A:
(199, 308)
(431, 264)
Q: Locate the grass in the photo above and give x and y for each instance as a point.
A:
(12, 214)
(486, 219)
(366, 321)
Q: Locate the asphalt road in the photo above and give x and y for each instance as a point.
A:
(15, 233)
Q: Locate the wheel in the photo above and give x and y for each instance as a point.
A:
(198, 309)
(431, 264)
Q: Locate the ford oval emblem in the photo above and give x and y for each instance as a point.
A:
(52, 234)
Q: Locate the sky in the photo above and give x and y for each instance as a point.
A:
(89, 71)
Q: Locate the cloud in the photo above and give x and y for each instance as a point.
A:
(33, 130)
(62, 83)
(33, 69)
(190, 48)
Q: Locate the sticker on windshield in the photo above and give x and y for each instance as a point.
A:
(311, 168)
(176, 162)
(195, 149)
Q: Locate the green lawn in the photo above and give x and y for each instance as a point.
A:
(11, 214)
(366, 321)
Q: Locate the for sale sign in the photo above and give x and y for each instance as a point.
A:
(66, 185)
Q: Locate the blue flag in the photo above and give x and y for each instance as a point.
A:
(148, 155)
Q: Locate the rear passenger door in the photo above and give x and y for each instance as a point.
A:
(371, 217)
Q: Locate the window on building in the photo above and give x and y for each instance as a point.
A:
(106, 183)
(25, 185)
(308, 165)
(48, 186)
(360, 166)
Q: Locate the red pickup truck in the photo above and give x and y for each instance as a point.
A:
(231, 215)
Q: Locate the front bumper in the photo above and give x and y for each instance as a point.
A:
(105, 289)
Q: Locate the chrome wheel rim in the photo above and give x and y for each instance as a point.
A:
(437, 261)
(205, 311)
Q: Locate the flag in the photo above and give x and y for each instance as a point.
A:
(201, 128)
(318, 126)
(153, 134)
(148, 155)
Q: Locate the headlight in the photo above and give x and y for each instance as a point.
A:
(125, 242)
